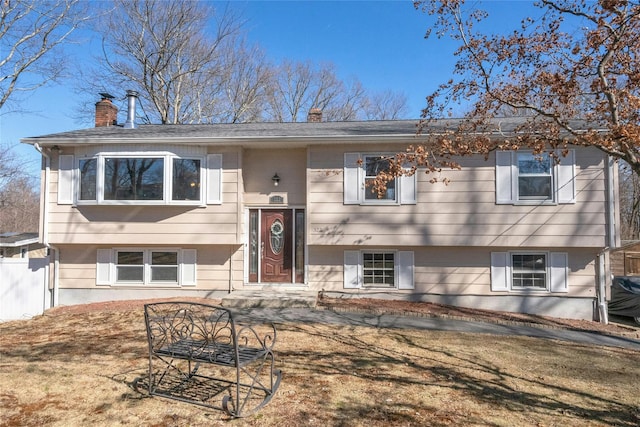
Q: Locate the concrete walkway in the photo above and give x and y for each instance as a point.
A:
(311, 315)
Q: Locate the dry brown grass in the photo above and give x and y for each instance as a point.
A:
(77, 368)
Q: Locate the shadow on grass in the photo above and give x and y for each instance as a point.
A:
(406, 359)
(386, 362)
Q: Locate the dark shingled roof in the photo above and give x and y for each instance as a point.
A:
(17, 239)
(256, 132)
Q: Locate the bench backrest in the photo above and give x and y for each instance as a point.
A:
(170, 323)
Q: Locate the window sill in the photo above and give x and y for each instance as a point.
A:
(140, 203)
(144, 285)
(375, 287)
(525, 291)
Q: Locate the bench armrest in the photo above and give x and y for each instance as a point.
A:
(261, 336)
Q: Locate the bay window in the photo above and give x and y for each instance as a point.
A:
(146, 179)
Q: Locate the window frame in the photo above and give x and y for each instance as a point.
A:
(557, 272)
(167, 179)
(354, 179)
(403, 269)
(542, 158)
(366, 189)
(563, 179)
(107, 267)
(379, 271)
(513, 271)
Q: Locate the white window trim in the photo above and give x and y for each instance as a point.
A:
(354, 183)
(557, 272)
(562, 177)
(106, 267)
(403, 270)
(210, 179)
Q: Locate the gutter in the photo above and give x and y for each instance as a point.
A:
(45, 226)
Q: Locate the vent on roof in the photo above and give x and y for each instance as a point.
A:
(132, 96)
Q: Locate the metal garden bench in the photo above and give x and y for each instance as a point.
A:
(197, 354)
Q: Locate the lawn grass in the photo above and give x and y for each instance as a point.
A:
(76, 369)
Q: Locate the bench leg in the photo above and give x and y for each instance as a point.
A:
(251, 395)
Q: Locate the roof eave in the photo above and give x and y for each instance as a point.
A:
(217, 141)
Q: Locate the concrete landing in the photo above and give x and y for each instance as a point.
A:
(270, 299)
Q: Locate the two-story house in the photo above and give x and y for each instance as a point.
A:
(141, 211)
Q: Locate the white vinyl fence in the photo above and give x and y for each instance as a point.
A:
(23, 288)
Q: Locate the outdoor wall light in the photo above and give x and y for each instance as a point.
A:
(275, 179)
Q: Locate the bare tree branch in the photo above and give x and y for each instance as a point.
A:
(32, 34)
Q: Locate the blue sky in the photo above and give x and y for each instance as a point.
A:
(379, 42)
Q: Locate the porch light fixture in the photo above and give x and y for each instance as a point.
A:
(275, 179)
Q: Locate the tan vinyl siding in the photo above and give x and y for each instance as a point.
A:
(447, 271)
(78, 267)
(462, 213)
(259, 167)
(158, 225)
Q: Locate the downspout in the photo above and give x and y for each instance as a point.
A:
(603, 315)
(604, 259)
(45, 225)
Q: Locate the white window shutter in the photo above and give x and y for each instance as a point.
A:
(499, 271)
(352, 182)
(565, 178)
(408, 190)
(505, 177)
(405, 270)
(559, 271)
(189, 267)
(104, 267)
(352, 270)
(214, 179)
(65, 179)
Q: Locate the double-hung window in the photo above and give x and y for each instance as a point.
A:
(529, 271)
(145, 179)
(535, 180)
(526, 178)
(378, 269)
(146, 266)
(371, 269)
(360, 172)
(131, 266)
(373, 165)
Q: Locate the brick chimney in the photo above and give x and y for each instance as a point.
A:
(314, 116)
(106, 112)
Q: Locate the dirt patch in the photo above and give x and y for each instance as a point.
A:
(79, 366)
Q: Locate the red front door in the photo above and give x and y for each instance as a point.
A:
(276, 237)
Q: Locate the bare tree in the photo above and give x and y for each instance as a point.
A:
(164, 50)
(290, 92)
(19, 202)
(629, 203)
(297, 87)
(32, 35)
(576, 60)
(385, 105)
(347, 106)
(9, 166)
(244, 85)
(19, 206)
